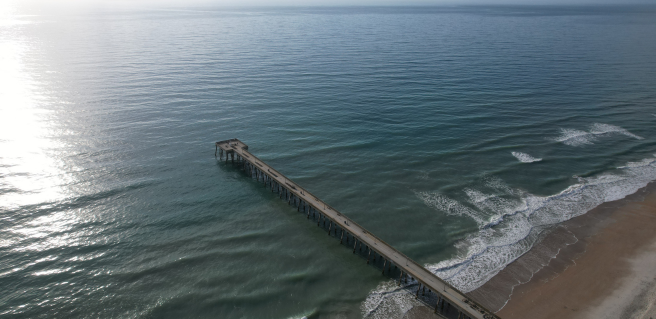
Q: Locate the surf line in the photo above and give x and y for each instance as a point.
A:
(448, 298)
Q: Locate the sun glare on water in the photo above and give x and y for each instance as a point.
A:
(29, 172)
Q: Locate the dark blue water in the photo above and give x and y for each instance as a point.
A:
(458, 135)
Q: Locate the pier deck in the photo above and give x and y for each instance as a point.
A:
(466, 306)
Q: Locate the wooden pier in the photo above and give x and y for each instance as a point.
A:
(447, 296)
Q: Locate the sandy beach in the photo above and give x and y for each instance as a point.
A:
(598, 265)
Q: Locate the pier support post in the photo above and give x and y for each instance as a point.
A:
(341, 239)
(417, 294)
(400, 276)
(440, 303)
(309, 209)
(384, 264)
(329, 227)
(368, 256)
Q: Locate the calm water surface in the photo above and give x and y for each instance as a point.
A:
(457, 135)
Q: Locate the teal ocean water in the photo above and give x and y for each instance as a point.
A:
(456, 134)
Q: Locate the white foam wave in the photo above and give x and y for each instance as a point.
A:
(448, 206)
(525, 158)
(510, 223)
(515, 224)
(644, 162)
(574, 137)
(390, 301)
(600, 129)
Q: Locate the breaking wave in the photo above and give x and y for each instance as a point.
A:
(513, 223)
(389, 301)
(574, 137)
(525, 158)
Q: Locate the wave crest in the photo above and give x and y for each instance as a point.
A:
(525, 158)
(512, 225)
(574, 137)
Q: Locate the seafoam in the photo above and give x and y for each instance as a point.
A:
(575, 137)
(525, 158)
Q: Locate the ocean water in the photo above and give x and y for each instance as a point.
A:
(456, 134)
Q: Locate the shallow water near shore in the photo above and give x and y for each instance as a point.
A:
(455, 134)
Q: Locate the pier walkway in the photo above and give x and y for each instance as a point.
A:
(447, 296)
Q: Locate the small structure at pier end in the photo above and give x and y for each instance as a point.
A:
(447, 296)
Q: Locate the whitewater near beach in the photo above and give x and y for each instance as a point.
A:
(462, 136)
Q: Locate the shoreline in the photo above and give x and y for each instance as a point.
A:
(597, 265)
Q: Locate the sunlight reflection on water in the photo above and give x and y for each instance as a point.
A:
(29, 171)
(30, 168)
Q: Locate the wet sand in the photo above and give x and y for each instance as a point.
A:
(598, 265)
